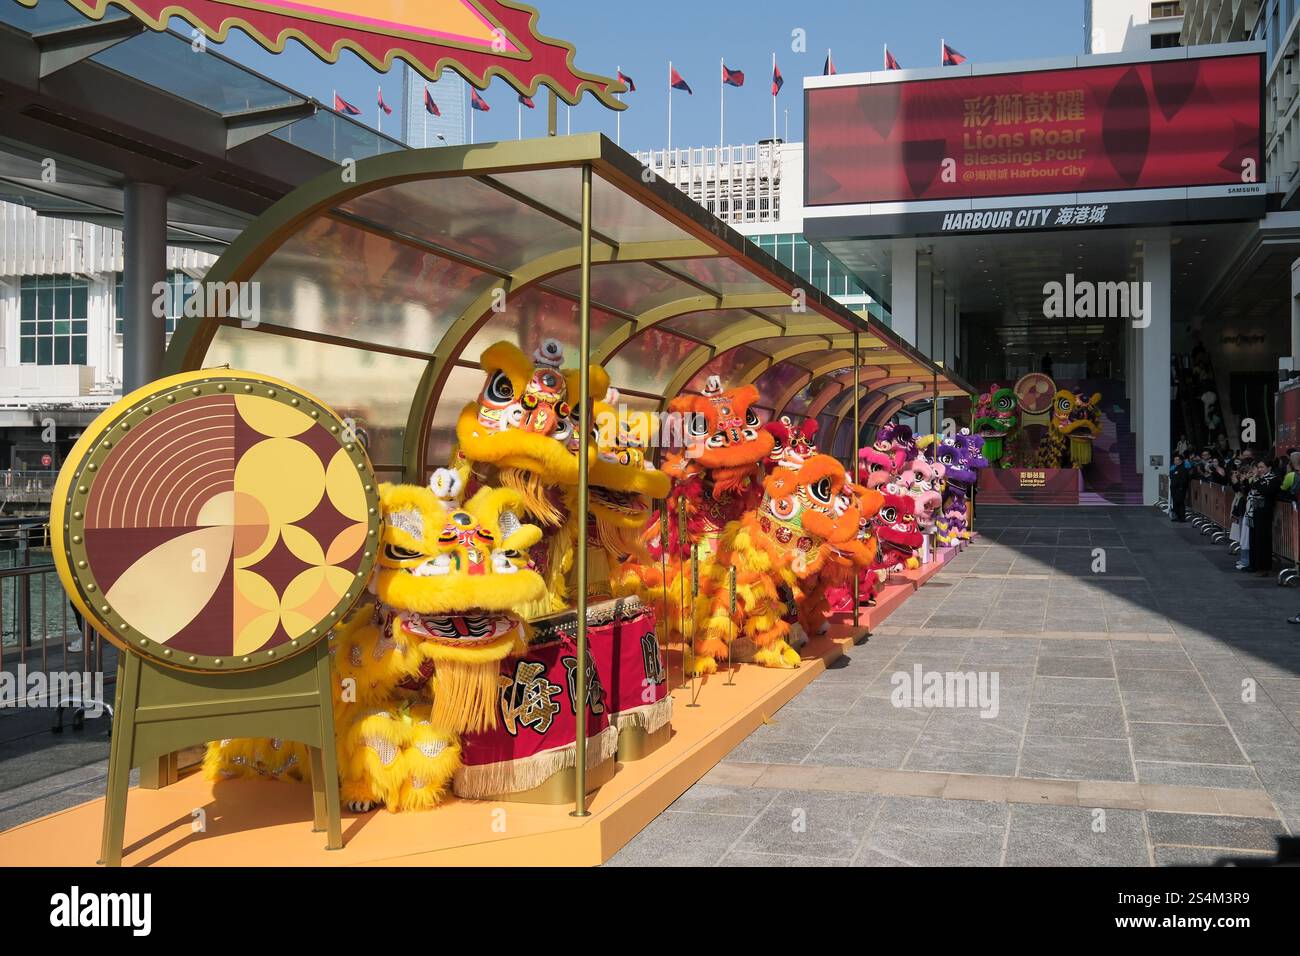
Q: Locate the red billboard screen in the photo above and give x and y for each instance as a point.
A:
(1188, 122)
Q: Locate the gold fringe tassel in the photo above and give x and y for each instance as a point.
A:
(515, 776)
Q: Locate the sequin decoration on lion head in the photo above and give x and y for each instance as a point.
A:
(722, 432)
(454, 571)
(898, 442)
(995, 412)
(804, 510)
(792, 444)
(960, 457)
(525, 417)
(1076, 414)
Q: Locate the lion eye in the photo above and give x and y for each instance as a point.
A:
(499, 388)
(821, 490)
(395, 553)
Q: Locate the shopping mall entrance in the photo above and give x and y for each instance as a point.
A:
(1063, 287)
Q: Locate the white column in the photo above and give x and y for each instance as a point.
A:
(949, 331)
(1154, 340)
(1135, 399)
(903, 289)
(924, 308)
(925, 296)
(1295, 315)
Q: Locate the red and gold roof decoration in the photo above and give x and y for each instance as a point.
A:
(479, 39)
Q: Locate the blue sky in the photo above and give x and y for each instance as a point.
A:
(642, 37)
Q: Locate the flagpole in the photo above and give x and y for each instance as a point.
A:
(722, 109)
(941, 46)
(519, 120)
(884, 64)
(670, 115)
(774, 100)
(618, 116)
(471, 117)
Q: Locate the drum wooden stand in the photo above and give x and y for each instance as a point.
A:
(160, 710)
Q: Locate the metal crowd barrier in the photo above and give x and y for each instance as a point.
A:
(47, 651)
(1209, 506)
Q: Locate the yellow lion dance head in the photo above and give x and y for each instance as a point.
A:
(622, 479)
(454, 574)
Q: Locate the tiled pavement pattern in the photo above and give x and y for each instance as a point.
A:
(1119, 692)
(41, 772)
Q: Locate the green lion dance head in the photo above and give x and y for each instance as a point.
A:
(995, 419)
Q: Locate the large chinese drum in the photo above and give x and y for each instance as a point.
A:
(530, 755)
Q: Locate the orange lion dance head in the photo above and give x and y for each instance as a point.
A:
(722, 432)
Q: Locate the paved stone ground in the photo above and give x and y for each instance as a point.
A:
(1119, 692)
(42, 772)
(1126, 731)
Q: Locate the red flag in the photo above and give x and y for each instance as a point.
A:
(890, 62)
(828, 68)
(430, 106)
(477, 102)
(624, 78)
(732, 77)
(382, 105)
(677, 83)
(778, 80)
(527, 101)
(344, 107)
(951, 57)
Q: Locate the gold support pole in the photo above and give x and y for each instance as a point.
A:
(584, 445)
(684, 548)
(934, 428)
(695, 622)
(853, 464)
(552, 113)
(731, 596)
(934, 409)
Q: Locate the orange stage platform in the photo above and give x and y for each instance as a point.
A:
(266, 823)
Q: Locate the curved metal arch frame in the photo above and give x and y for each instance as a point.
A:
(735, 337)
(729, 339)
(885, 392)
(659, 315)
(785, 354)
(700, 236)
(459, 334)
(843, 382)
(843, 369)
(811, 374)
(844, 403)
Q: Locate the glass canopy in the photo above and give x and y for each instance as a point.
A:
(380, 294)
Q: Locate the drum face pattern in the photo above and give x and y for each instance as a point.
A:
(218, 521)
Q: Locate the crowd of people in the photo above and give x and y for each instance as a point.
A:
(1258, 481)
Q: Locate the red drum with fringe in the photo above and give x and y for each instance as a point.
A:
(536, 732)
(628, 659)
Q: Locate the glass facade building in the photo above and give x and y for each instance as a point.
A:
(419, 127)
